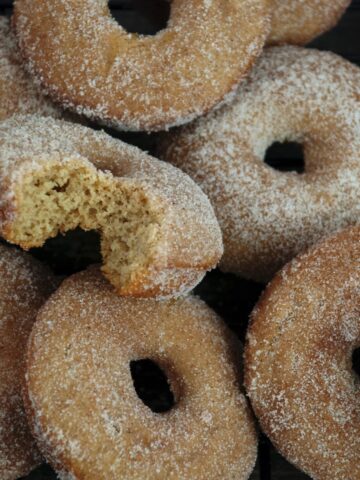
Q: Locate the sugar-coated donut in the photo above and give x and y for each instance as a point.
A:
(25, 284)
(300, 21)
(86, 61)
(298, 359)
(267, 216)
(18, 93)
(158, 230)
(81, 400)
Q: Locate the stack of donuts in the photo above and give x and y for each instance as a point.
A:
(221, 83)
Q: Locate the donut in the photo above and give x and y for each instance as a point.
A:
(300, 21)
(25, 284)
(159, 233)
(298, 371)
(18, 93)
(267, 216)
(84, 409)
(87, 62)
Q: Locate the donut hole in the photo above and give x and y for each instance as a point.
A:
(70, 252)
(356, 361)
(141, 16)
(286, 157)
(152, 385)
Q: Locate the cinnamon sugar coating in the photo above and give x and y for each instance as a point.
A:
(298, 365)
(87, 62)
(25, 284)
(18, 93)
(300, 21)
(267, 216)
(159, 234)
(83, 406)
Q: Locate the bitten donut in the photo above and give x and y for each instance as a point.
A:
(81, 400)
(86, 61)
(18, 93)
(25, 284)
(300, 21)
(267, 216)
(159, 234)
(299, 356)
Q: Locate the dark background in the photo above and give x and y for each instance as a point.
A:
(230, 296)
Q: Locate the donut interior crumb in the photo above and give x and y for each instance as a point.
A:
(61, 197)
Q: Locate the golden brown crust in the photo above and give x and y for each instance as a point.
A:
(141, 82)
(91, 180)
(298, 22)
(24, 286)
(267, 216)
(84, 410)
(298, 370)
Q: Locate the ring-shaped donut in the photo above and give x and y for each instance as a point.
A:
(267, 216)
(159, 234)
(82, 404)
(298, 359)
(86, 61)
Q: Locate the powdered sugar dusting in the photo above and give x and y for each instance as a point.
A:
(140, 82)
(24, 286)
(18, 93)
(298, 359)
(267, 217)
(86, 414)
(191, 239)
